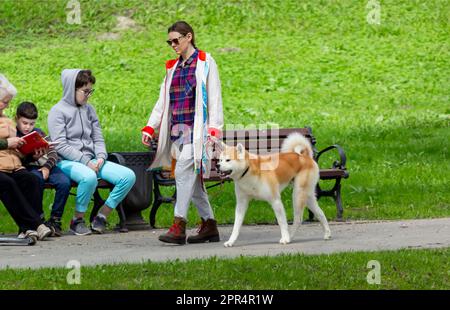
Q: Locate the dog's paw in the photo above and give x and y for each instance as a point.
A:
(327, 235)
(228, 244)
(285, 240)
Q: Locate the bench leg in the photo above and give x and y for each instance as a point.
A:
(156, 203)
(155, 208)
(338, 200)
(335, 192)
(159, 200)
(122, 219)
(310, 214)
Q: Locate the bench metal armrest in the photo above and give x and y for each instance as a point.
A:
(336, 164)
(117, 158)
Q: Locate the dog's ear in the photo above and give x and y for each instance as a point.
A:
(240, 150)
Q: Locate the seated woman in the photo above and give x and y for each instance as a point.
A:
(19, 189)
(74, 126)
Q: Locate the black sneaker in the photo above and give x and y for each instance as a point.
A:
(54, 224)
(98, 225)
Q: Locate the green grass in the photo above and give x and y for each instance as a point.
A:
(404, 269)
(381, 92)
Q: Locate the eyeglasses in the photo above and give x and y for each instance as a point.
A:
(176, 41)
(87, 92)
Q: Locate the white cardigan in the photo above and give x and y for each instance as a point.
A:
(160, 119)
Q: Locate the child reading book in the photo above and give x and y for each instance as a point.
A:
(43, 165)
(33, 142)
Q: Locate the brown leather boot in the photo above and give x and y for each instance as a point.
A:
(206, 232)
(176, 233)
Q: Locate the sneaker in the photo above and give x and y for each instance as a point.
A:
(52, 229)
(43, 232)
(78, 227)
(98, 225)
(21, 235)
(32, 235)
(54, 224)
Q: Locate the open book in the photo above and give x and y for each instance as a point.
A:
(34, 141)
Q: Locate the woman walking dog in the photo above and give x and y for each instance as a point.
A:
(187, 118)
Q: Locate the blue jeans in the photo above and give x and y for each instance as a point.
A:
(62, 186)
(121, 177)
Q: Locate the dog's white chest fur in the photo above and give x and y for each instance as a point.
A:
(251, 187)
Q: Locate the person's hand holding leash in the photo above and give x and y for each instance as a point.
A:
(146, 139)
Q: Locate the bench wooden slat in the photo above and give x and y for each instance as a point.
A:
(254, 134)
(101, 184)
(258, 146)
(263, 141)
(326, 174)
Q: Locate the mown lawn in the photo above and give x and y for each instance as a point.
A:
(380, 91)
(404, 269)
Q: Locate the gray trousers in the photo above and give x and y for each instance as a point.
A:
(188, 184)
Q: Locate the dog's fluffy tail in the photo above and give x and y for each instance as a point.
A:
(297, 143)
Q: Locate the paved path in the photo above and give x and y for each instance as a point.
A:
(256, 240)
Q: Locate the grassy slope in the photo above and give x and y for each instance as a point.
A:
(379, 91)
(405, 269)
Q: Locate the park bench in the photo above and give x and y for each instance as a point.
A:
(262, 142)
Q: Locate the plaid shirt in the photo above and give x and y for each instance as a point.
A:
(182, 100)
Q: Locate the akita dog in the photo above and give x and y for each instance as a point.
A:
(264, 178)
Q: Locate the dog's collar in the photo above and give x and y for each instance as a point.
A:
(245, 172)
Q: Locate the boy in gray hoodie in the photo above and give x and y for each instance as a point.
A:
(73, 124)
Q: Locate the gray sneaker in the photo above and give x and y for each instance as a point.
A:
(98, 225)
(79, 228)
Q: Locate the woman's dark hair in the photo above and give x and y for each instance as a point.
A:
(183, 28)
(27, 109)
(84, 77)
